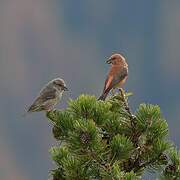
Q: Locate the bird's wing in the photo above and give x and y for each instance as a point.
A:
(107, 82)
(48, 93)
(45, 95)
(112, 81)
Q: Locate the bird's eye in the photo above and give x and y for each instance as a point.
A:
(113, 58)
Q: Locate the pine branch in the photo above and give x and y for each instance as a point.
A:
(128, 145)
(146, 164)
(127, 108)
(125, 102)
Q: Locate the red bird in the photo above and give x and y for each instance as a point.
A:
(117, 75)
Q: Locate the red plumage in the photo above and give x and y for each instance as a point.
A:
(116, 76)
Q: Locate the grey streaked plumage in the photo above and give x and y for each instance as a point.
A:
(49, 95)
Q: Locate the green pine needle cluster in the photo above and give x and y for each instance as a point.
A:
(104, 140)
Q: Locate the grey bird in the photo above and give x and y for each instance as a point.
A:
(49, 95)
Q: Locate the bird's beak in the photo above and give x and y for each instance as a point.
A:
(65, 88)
(109, 61)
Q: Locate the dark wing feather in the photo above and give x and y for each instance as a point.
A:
(46, 94)
(116, 80)
(111, 82)
(105, 83)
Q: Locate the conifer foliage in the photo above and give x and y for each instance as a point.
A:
(104, 140)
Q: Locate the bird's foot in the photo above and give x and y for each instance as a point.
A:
(54, 111)
(51, 111)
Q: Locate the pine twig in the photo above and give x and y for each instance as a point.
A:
(132, 117)
(125, 102)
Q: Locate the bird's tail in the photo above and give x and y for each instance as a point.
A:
(103, 96)
(25, 114)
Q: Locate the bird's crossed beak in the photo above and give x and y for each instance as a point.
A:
(109, 61)
(65, 88)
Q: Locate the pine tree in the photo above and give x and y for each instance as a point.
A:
(104, 140)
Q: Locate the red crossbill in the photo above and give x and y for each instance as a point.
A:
(117, 75)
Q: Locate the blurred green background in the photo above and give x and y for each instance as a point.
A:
(72, 39)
